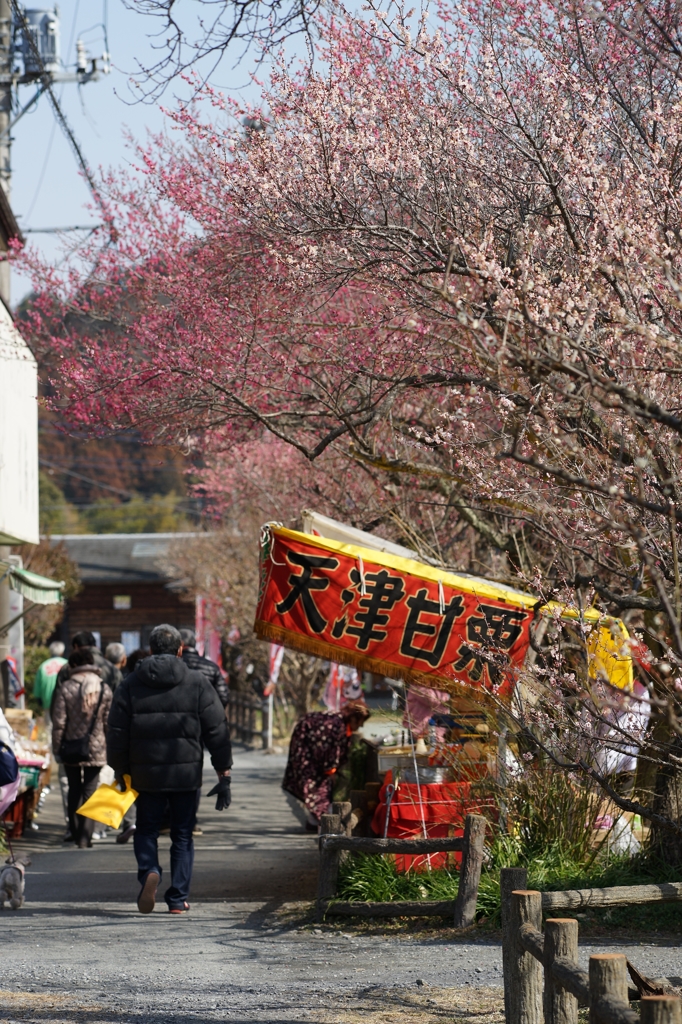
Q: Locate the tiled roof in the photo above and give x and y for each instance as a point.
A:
(121, 557)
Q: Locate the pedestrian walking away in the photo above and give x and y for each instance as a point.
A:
(81, 641)
(211, 671)
(46, 677)
(79, 717)
(86, 641)
(132, 660)
(195, 661)
(115, 654)
(163, 714)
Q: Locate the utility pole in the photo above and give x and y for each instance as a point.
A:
(6, 58)
(5, 116)
(29, 57)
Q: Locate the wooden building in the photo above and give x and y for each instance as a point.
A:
(125, 589)
(18, 443)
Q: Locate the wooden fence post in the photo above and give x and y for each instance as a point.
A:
(252, 721)
(470, 873)
(330, 825)
(510, 879)
(608, 980)
(266, 731)
(525, 970)
(561, 940)
(344, 809)
(661, 1010)
(358, 799)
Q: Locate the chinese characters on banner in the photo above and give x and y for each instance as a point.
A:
(386, 614)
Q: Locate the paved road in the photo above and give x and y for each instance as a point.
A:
(79, 942)
(256, 850)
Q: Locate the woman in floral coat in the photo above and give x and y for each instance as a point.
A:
(319, 746)
(81, 708)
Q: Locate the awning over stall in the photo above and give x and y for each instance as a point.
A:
(39, 589)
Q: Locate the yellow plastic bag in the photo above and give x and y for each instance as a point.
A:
(108, 804)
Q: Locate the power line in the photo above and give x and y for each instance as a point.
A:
(46, 80)
(103, 463)
(58, 231)
(85, 438)
(43, 171)
(54, 125)
(105, 506)
(86, 479)
(107, 487)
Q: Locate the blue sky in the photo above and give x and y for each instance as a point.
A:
(47, 189)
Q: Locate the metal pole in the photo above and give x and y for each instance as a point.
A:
(271, 712)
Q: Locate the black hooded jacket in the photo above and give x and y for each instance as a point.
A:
(160, 715)
(194, 661)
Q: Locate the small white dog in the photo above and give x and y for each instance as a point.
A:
(12, 882)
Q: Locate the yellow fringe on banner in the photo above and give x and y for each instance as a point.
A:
(607, 647)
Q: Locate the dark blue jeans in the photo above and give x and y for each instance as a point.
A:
(150, 813)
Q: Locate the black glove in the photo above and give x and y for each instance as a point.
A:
(222, 792)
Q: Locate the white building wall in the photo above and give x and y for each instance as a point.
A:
(18, 437)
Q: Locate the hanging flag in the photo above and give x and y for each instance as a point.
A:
(383, 613)
(343, 685)
(398, 617)
(274, 665)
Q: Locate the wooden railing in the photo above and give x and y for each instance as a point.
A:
(242, 715)
(542, 979)
(335, 841)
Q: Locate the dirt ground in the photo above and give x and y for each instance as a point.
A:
(424, 1005)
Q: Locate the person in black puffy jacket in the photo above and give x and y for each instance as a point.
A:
(197, 663)
(161, 717)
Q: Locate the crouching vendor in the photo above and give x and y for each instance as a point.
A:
(320, 744)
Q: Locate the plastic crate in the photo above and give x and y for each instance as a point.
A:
(30, 777)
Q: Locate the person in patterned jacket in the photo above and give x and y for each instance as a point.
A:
(319, 746)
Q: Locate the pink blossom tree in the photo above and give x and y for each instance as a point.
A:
(443, 270)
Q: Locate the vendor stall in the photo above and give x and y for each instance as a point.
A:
(459, 642)
(427, 790)
(28, 742)
(33, 758)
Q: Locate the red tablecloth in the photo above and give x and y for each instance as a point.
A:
(444, 807)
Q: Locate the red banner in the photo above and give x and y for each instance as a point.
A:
(389, 615)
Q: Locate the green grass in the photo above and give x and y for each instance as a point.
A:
(369, 877)
(373, 878)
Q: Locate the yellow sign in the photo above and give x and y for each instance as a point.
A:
(608, 654)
